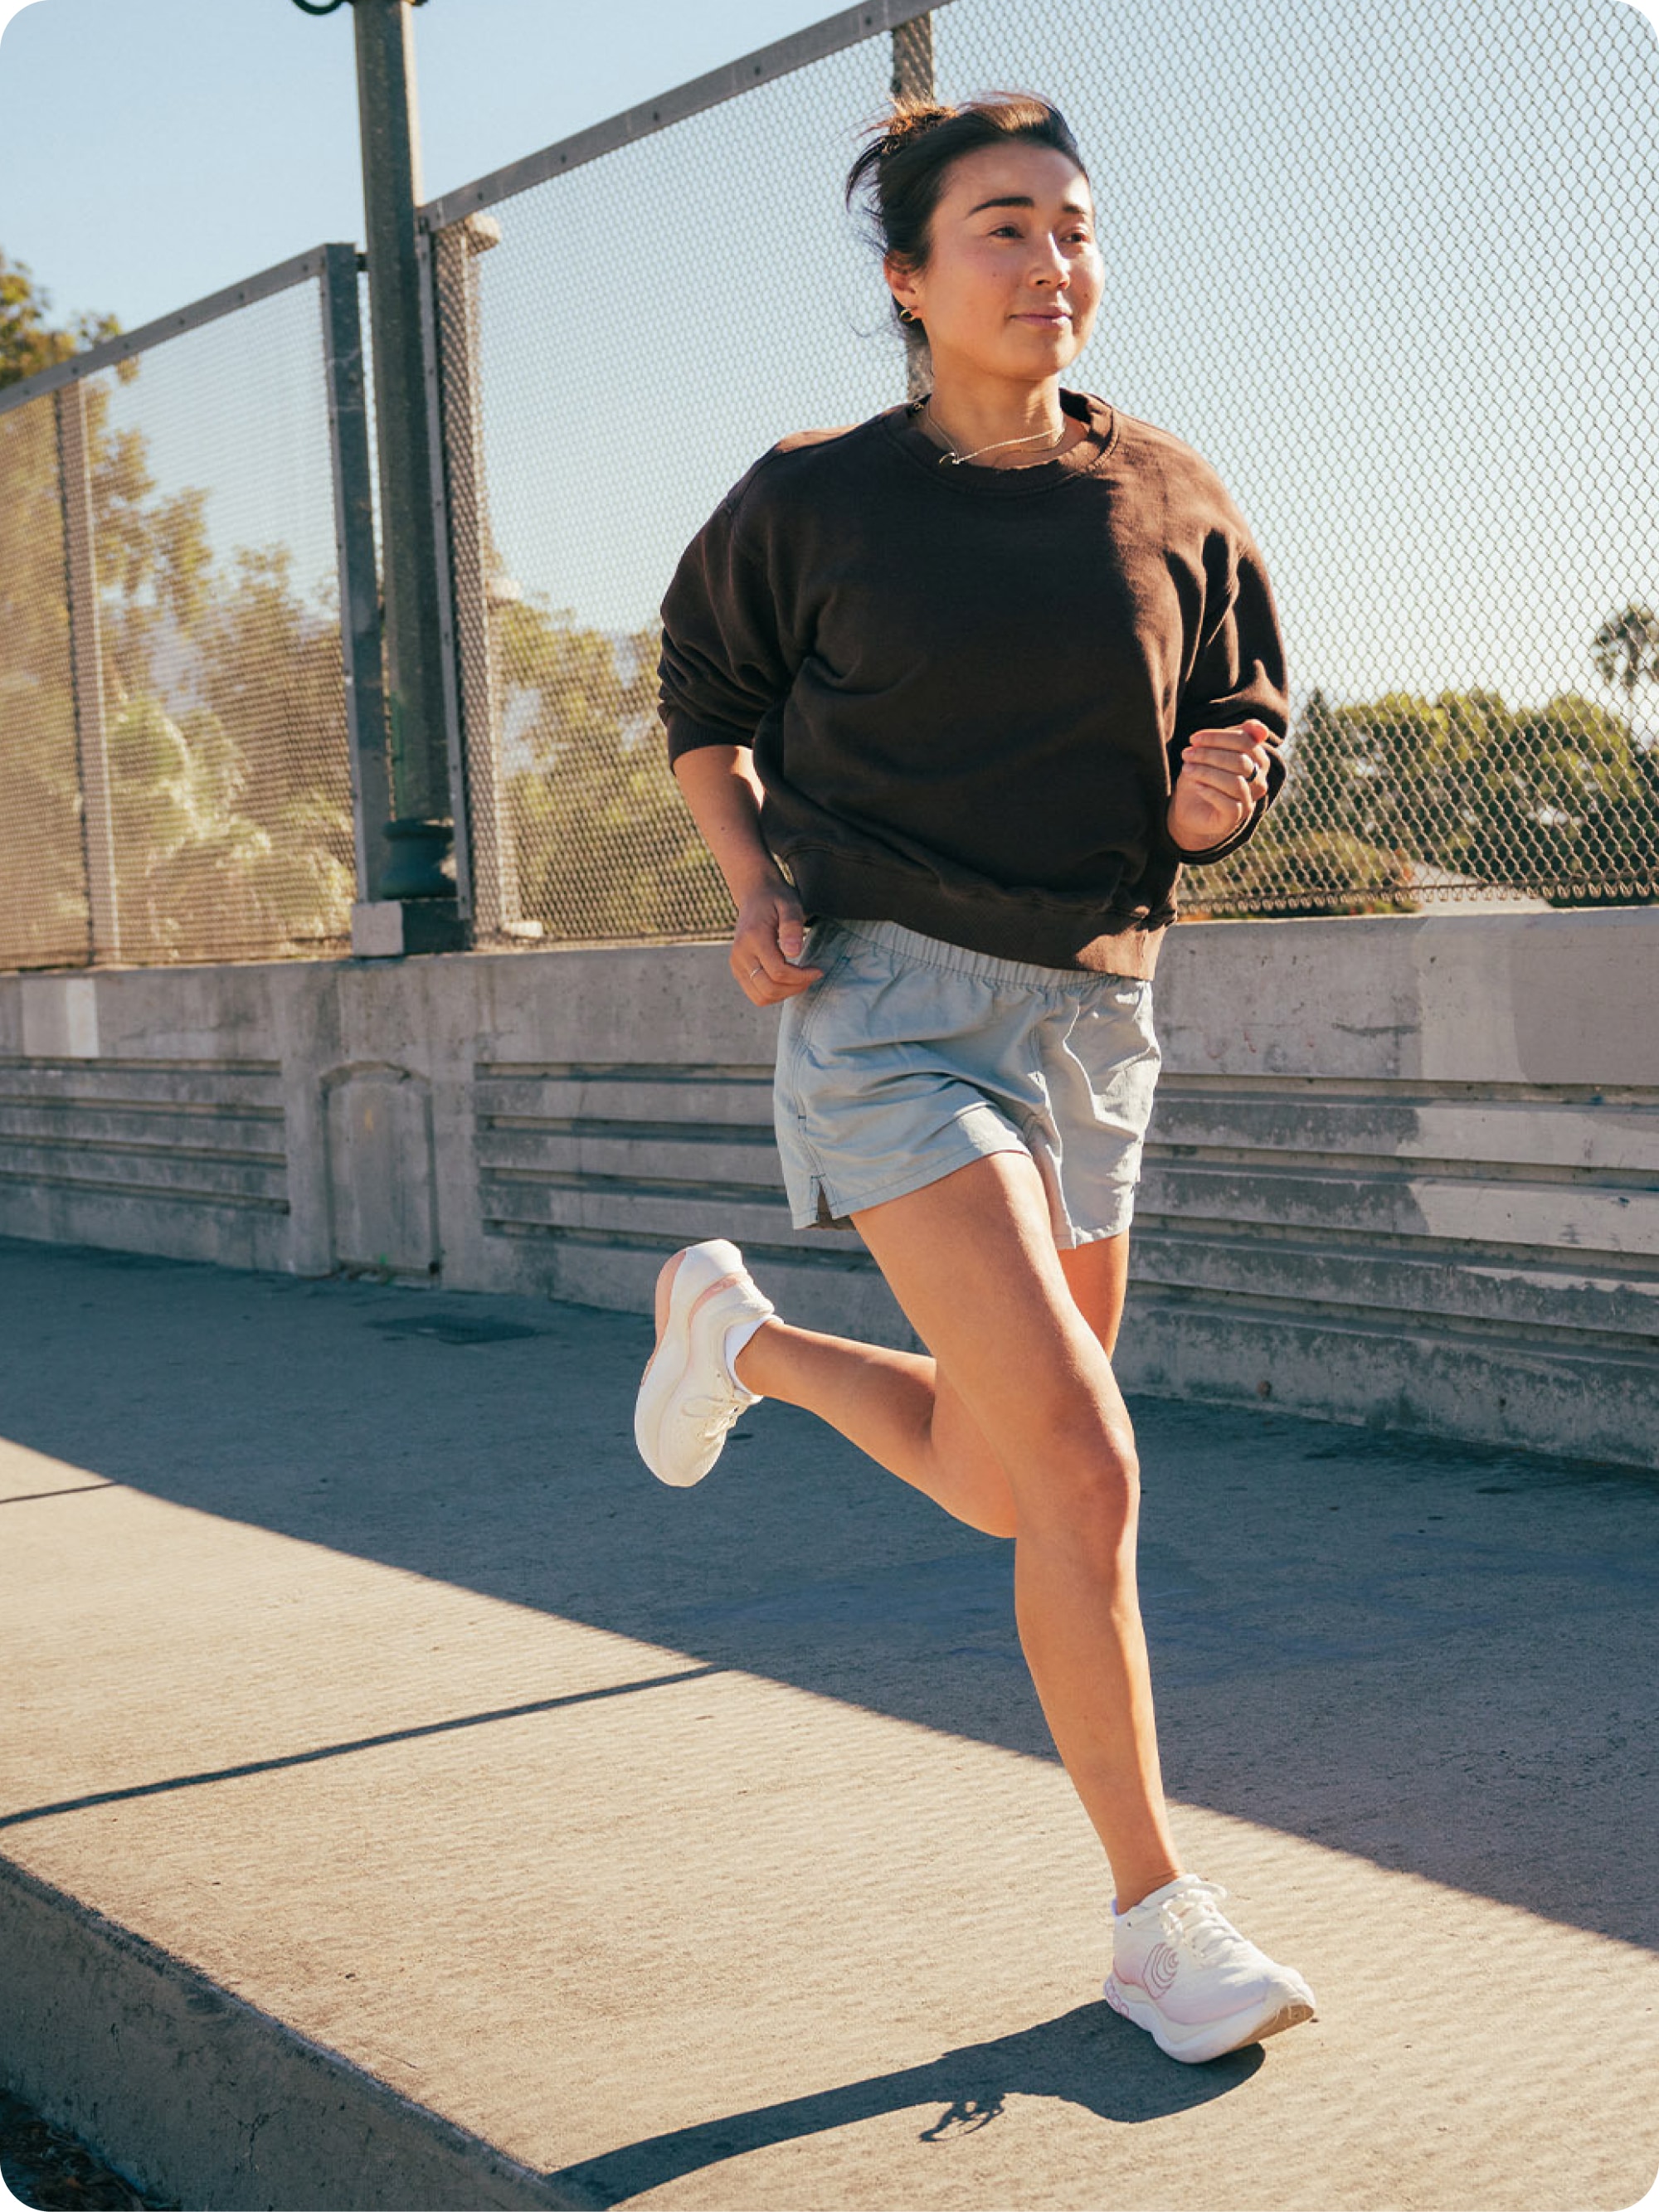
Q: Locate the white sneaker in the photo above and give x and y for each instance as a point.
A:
(689, 1397)
(1182, 1971)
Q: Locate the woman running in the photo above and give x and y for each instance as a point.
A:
(982, 672)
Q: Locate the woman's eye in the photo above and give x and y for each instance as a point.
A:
(1013, 230)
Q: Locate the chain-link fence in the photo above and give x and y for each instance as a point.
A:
(602, 396)
(174, 780)
(1392, 271)
(43, 887)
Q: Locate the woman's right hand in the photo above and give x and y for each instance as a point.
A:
(770, 931)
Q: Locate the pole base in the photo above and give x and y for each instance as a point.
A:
(386, 929)
(416, 850)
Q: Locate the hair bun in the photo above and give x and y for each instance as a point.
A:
(911, 118)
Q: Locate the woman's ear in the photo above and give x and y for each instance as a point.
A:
(901, 285)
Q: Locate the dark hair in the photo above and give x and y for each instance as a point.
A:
(902, 171)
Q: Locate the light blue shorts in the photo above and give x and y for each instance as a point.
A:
(910, 1056)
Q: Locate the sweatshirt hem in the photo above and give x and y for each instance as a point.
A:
(1099, 940)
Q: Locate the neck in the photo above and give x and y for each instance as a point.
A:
(971, 411)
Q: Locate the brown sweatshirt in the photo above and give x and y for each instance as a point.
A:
(969, 688)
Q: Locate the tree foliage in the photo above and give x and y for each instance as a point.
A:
(606, 846)
(29, 342)
(223, 701)
(1390, 797)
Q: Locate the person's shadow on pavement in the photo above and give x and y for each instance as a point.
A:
(1089, 2057)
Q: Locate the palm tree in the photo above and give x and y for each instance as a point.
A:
(1627, 649)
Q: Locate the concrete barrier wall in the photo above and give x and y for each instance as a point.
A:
(1403, 1171)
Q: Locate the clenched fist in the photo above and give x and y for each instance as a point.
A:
(1224, 774)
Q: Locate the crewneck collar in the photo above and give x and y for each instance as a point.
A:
(978, 481)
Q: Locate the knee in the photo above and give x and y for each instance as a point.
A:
(1083, 1480)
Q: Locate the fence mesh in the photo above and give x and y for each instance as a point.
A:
(218, 591)
(200, 809)
(1394, 274)
(616, 398)
(43, 890)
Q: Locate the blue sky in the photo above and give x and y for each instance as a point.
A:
(153, 151)
(1364, 255)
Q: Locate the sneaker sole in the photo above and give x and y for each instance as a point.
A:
(1211, 2038)
(665, 1370)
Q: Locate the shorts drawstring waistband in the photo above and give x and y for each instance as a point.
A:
(963, 960)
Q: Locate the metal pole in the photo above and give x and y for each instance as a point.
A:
(913, 77)
(360, 588)
(433, 340)
(87, 671)
(421, 833)
(478, 590)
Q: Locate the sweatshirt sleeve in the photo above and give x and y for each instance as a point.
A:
(1238, 677)
(724, 661)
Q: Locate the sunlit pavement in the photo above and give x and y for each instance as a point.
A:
(705, 1848)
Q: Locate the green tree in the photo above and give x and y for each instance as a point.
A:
(606, 846)
(43, 898)
(1626, 650)
(1388, 796)
(230, 792)
(29, 341)
(238, 824)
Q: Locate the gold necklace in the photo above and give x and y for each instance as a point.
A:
(958, 459)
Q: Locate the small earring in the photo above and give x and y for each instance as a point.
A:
(905, 315)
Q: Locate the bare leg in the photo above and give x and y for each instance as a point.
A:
(898, 1408)
(1026, 1414)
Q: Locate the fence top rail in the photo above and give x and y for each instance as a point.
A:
(847, 28)
(127, 342)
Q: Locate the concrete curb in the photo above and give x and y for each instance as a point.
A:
(202, 2097)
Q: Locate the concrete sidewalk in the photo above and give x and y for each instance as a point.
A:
(406, 1801)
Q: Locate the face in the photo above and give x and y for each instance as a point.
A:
(1011, 288)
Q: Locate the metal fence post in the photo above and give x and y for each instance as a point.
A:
(360, 588)
(912, 78)
(442, 541)
(421, 831)
(87, 671)
(477, 588)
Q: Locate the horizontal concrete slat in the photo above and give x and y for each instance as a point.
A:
(1493, 1211)
(145, 1173)
(120, 1080)
(822, 1279)
(740, 1101)
(230, 1232)
(1515, 1393)
(678, 1218)
(692, 1156)
(1624, 1138)
(1537, 1294)
(234, 1128)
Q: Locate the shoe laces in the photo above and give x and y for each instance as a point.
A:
(1193, 1919)
(718, 1410)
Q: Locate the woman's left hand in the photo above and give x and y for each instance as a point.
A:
(1224, 772)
